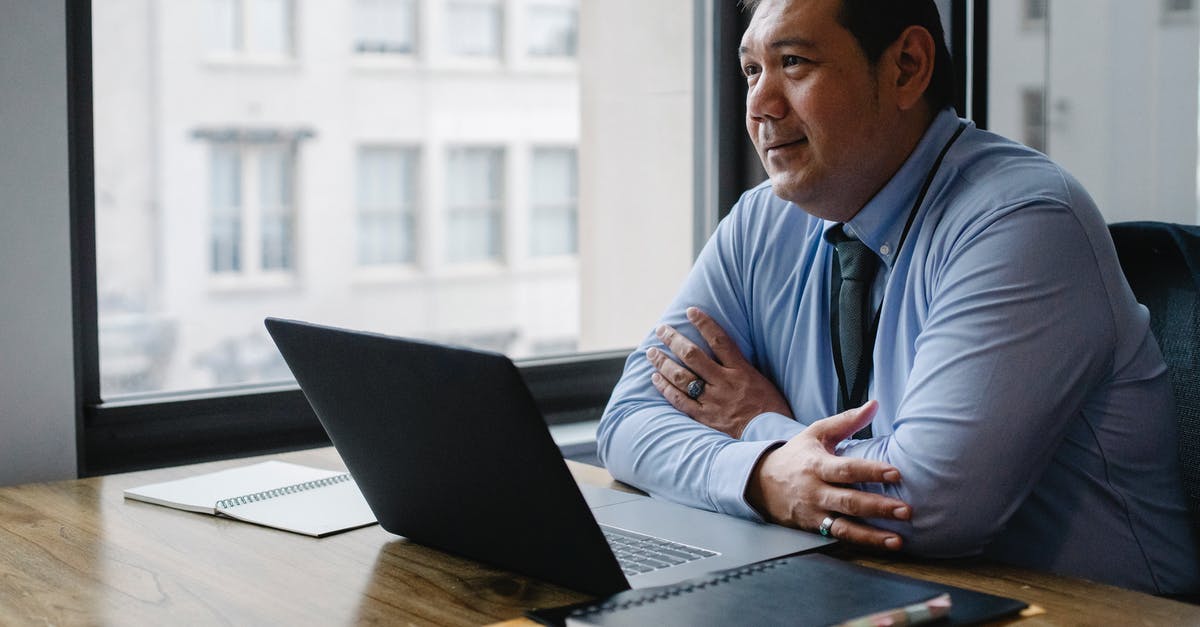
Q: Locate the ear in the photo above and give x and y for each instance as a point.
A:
(913, 55)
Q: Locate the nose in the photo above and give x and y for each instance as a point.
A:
(764, 99)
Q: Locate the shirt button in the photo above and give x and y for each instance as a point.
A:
(885, 250)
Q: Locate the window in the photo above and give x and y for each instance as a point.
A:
(252, 28)
(1034, 13)
(475, 28)
(474, 204)
(383, 199)
(385, 26)
(252, 227)
(552, 30)
(1122, 119)
(387, 201)
(1179, 11)
(553, 199)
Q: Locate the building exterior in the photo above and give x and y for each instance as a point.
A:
(404, 166)
(1109, 89)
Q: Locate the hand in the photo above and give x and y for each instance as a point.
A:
(797, 484)
(734, 392)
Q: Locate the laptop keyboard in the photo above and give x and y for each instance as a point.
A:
(639, 554)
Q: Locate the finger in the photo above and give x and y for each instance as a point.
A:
(688, 353)
(863, 504)
(674, 396)
(842, 470)
(834, 429)
(724, 349)
(676, 374)
(856, 532)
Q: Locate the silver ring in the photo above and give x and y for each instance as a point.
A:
(695, 389)
(827, 525)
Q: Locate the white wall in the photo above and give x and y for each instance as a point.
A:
(37, 405)
(635, 221)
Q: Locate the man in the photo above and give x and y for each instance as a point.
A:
(1019, 404)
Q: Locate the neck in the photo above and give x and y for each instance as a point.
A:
(911, 127)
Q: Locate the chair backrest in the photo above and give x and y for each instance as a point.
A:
(1162, 264)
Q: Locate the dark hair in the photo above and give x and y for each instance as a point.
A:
(876, 25)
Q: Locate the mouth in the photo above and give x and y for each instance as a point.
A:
(784, 144)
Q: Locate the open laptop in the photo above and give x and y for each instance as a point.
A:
(450, 451)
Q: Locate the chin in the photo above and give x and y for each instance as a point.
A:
(787, 188)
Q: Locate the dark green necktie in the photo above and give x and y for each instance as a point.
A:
(855, 266)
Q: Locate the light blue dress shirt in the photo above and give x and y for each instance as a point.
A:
(1021, 393)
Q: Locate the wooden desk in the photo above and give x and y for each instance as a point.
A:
(75, 552)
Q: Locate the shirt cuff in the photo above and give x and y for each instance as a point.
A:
(730, 473)
(771, 426)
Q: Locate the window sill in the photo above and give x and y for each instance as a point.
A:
(242, 283)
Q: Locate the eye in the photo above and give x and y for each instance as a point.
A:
(791, 60)
(750, 69)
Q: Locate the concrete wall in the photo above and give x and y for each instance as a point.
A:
(37, 405)
(635, 221)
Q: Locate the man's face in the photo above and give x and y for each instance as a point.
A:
(814, 108)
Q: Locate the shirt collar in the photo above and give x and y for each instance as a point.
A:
(880, 223)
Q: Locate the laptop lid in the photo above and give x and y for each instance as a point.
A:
(450, 451)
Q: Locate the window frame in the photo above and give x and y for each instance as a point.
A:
(161, 429)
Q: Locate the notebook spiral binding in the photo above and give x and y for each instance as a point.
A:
(277, 492)
(677, 590)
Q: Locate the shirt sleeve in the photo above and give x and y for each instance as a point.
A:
(644, 441)
(1018, 327)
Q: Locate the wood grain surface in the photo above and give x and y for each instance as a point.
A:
(77, 553)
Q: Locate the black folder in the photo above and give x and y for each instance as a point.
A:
(805, 590)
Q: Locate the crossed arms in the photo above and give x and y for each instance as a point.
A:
(971, 409)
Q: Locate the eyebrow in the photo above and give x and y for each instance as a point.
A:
(791, 42)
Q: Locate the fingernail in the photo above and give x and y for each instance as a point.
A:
(652, 354)
(892, 542)
(655, 378)
(692, 312)
(891, 476)
(902, 513)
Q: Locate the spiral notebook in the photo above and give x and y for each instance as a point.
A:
(291, 497)
(810, 589)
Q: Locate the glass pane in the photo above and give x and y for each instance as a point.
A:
(386, 197)
(223, 25)
(320, 191)
(473, 29)
(385, 26)
(553, 186)
(225, 187)
(1121, 117)
(270, 26)
(552, 30)
(474, 203)
(275, 203)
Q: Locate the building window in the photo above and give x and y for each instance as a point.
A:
(387, 200)
(475, 204)
(1179, 11)
(475, 28)
(385, 26)
(1034, 13)
(251, 27)
(1033, 108)
(252, 228)
(553, 30)
(553, 199)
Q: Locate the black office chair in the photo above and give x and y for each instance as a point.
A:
(1162, 263)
